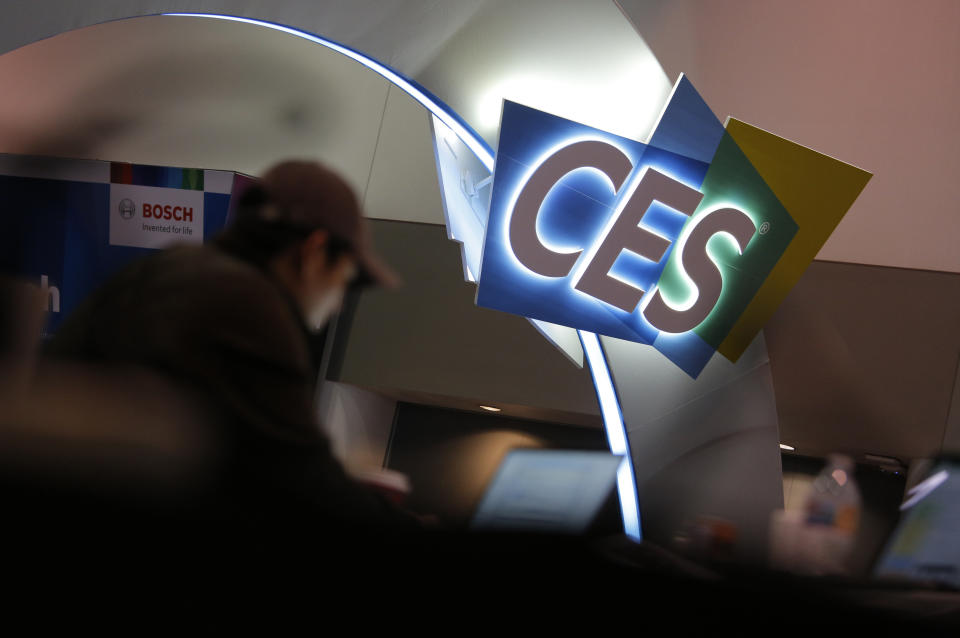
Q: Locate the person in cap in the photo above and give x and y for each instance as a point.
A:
(302, 224)
(230, 323)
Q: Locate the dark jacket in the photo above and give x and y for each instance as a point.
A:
(225, 332)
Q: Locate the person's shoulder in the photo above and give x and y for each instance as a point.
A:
(225, 306)
(182, 302)
(208, 270)
(209, 277)
(201, 261)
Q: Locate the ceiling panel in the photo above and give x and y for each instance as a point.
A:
(403, 33)
(403, 179)
(190, 92)
(578, 59)
(874, 83)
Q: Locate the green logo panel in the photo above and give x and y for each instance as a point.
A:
(732, 181)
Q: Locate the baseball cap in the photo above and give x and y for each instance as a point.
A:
(308, 196)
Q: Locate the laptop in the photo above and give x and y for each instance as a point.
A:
(925, 545)
(555, 491)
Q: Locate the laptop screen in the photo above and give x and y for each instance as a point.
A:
(547, 490)
(925, 545)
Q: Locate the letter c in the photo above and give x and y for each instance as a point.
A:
(525, 243)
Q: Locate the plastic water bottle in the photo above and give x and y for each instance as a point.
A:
(832, 517)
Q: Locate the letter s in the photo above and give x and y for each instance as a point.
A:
(524, 241)
(702, 270)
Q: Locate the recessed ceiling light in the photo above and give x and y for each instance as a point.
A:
(787, 447)
(489, 408)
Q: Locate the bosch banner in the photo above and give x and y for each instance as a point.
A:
(69, 224)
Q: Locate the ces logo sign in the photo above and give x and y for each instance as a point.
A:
(684, 242)
(625, 232)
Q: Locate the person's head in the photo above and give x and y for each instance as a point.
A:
(302, 223)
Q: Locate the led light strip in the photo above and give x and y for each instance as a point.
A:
(616, 432)
(606, 394)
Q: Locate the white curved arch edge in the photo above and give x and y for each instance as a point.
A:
(616, 432)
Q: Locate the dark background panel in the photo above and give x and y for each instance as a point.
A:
(430, 338)
(864, 360)
(450, 456)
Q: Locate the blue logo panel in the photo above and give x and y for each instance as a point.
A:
(574, 217)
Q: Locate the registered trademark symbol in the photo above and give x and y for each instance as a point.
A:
(764, 228)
